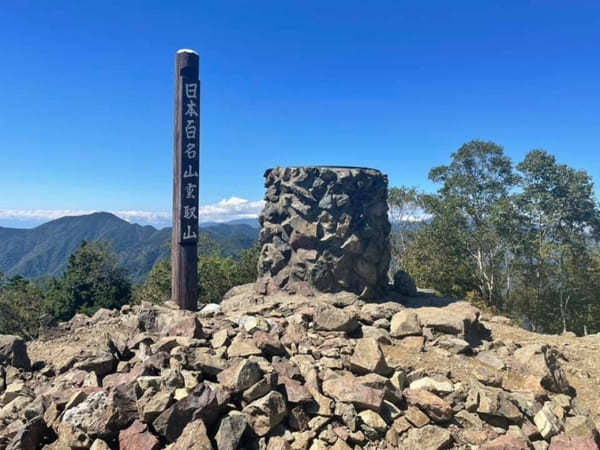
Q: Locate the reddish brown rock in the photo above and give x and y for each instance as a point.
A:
(368, 358)
(349, 390)
(240, 376)
(187, 327)
(268, 343)
(295, 391)
(505, 442)
(193, 437)
(137, 437)
(564, 442)
(436, 408)
(201, 403)
(265, 413)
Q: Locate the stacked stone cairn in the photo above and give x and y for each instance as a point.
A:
(325, 229)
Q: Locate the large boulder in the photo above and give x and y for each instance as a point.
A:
(13, 352)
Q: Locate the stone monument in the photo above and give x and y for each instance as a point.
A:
(324, 229)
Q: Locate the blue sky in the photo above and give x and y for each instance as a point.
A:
(86, 93)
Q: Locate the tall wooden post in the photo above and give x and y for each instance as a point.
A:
(186, 155)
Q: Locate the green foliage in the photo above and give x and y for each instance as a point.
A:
(216, 274)
(524, 244)
(477, 183)
(20, 307)
(157, 286)
(437, 256)
(406, 212)
(93, 280)
(44, 250)
(559, 220)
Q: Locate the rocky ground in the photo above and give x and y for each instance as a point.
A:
(291, 372)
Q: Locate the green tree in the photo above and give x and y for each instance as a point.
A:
(437, 256)
(407, 216)
(20, 307)
(478, 183)
(216, 274)
(93, 280)
(560, 221)
(156, 288)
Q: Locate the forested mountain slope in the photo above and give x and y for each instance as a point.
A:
(44, 250)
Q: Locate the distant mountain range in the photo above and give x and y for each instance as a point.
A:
(43, 251)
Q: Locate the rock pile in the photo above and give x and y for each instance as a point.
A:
(324, 229)
(287, 372)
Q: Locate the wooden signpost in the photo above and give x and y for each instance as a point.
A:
(186, 155)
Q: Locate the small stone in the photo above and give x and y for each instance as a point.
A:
(137, 437)
(454, 345)
(203, 362)
(268, 343)
(186, 327)
(298, 419)
(181, 393)
(581, 426)
(265, 413)
(230, 431)
(210, 310)
(278, 443)
(193, 437)
(101, 365)
(398, 379)
(253, 323)
(240, 376)
(546, 422)
(340, 445)
(564, 442)
(149, 382)
(257, 390)
(219, 338)
(151, 404)
(295, 391)
(443, 386)
(330, 318)
(405, 323)
(437, 409)
(491, 360)
(99, 444)
(373, 420)
(487, 375)
(506, 442)
(416, 417)
(368, 357)
(347, 389)
(318, 422)
(430, 437)
(401, 425)
(242, 348)
(201, 403)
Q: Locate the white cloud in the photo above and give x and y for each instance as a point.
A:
(223, 211)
